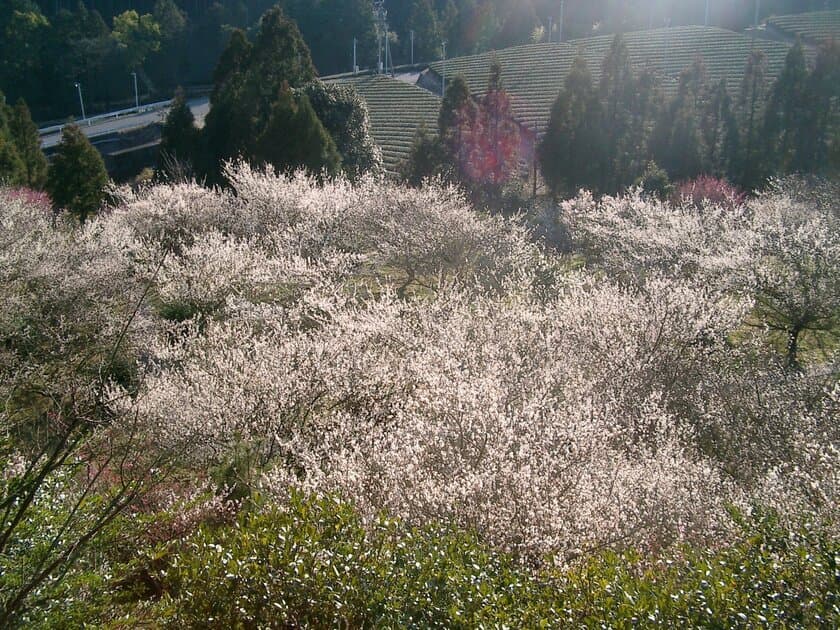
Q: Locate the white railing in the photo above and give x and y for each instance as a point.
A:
(143, 109)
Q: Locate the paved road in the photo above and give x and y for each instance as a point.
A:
(199, 106)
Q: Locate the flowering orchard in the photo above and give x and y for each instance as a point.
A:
(399, 349)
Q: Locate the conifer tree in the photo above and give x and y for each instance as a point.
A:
(423, 22)
(750, 169)
(819, 146)
(617, 91)
(719, 130)
(12, 168)
(456, 120)
(425, 160)
(344, 115)
(678, 145)
(179, 139)
(247, 82)
(786, 112)
(77, 177)
(234, 60)
(295, 138)
(568, 152)
(24, 134)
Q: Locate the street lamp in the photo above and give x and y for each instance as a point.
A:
(136, 95)
(81, 102)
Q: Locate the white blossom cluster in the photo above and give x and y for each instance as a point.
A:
(415, 356)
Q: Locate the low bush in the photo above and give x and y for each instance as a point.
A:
(316, 564)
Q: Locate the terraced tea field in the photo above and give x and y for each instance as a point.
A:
(814, 27)
(397, 109)
(533, 74)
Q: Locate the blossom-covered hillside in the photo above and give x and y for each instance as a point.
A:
(187, 368)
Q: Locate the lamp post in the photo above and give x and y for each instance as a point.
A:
(81, 102)
(136, 93)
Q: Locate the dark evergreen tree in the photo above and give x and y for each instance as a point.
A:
(425, 160)
(678, 143)
(617, 93)
(819, 145)
(751, 167)
(12, 168)
(719, 130)
(77, 176)
(787, 112)
(279, 56)
(295, 138)
(249, 78)
(24, 134)
(427, 36)
(456, 120)
(568, 152)
(344, 115)
(179, 140)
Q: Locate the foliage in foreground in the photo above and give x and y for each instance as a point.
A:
(315, 563)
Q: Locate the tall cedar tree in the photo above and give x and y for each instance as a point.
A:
(226, 127)
(617, 92)
(787, 112)
(819, 149)
(719, 130)
(678, 143)
(456, 119)
(568, 152)
(295, 138)
(248, 80)
(751, 166)
(24, 135)
(77, 176)
(12, 168)
(179, 139)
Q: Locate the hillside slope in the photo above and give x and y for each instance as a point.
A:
(397, 109)
(815, 27)
(534, 74)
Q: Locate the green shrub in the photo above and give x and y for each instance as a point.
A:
(316, 564)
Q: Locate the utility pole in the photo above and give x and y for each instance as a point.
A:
(560, 27)
(388, 59)
(81, 102)
(550, 25)
(412, 47)
(443, 90)
(382, 31)
(136, 93)
(355, 66)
